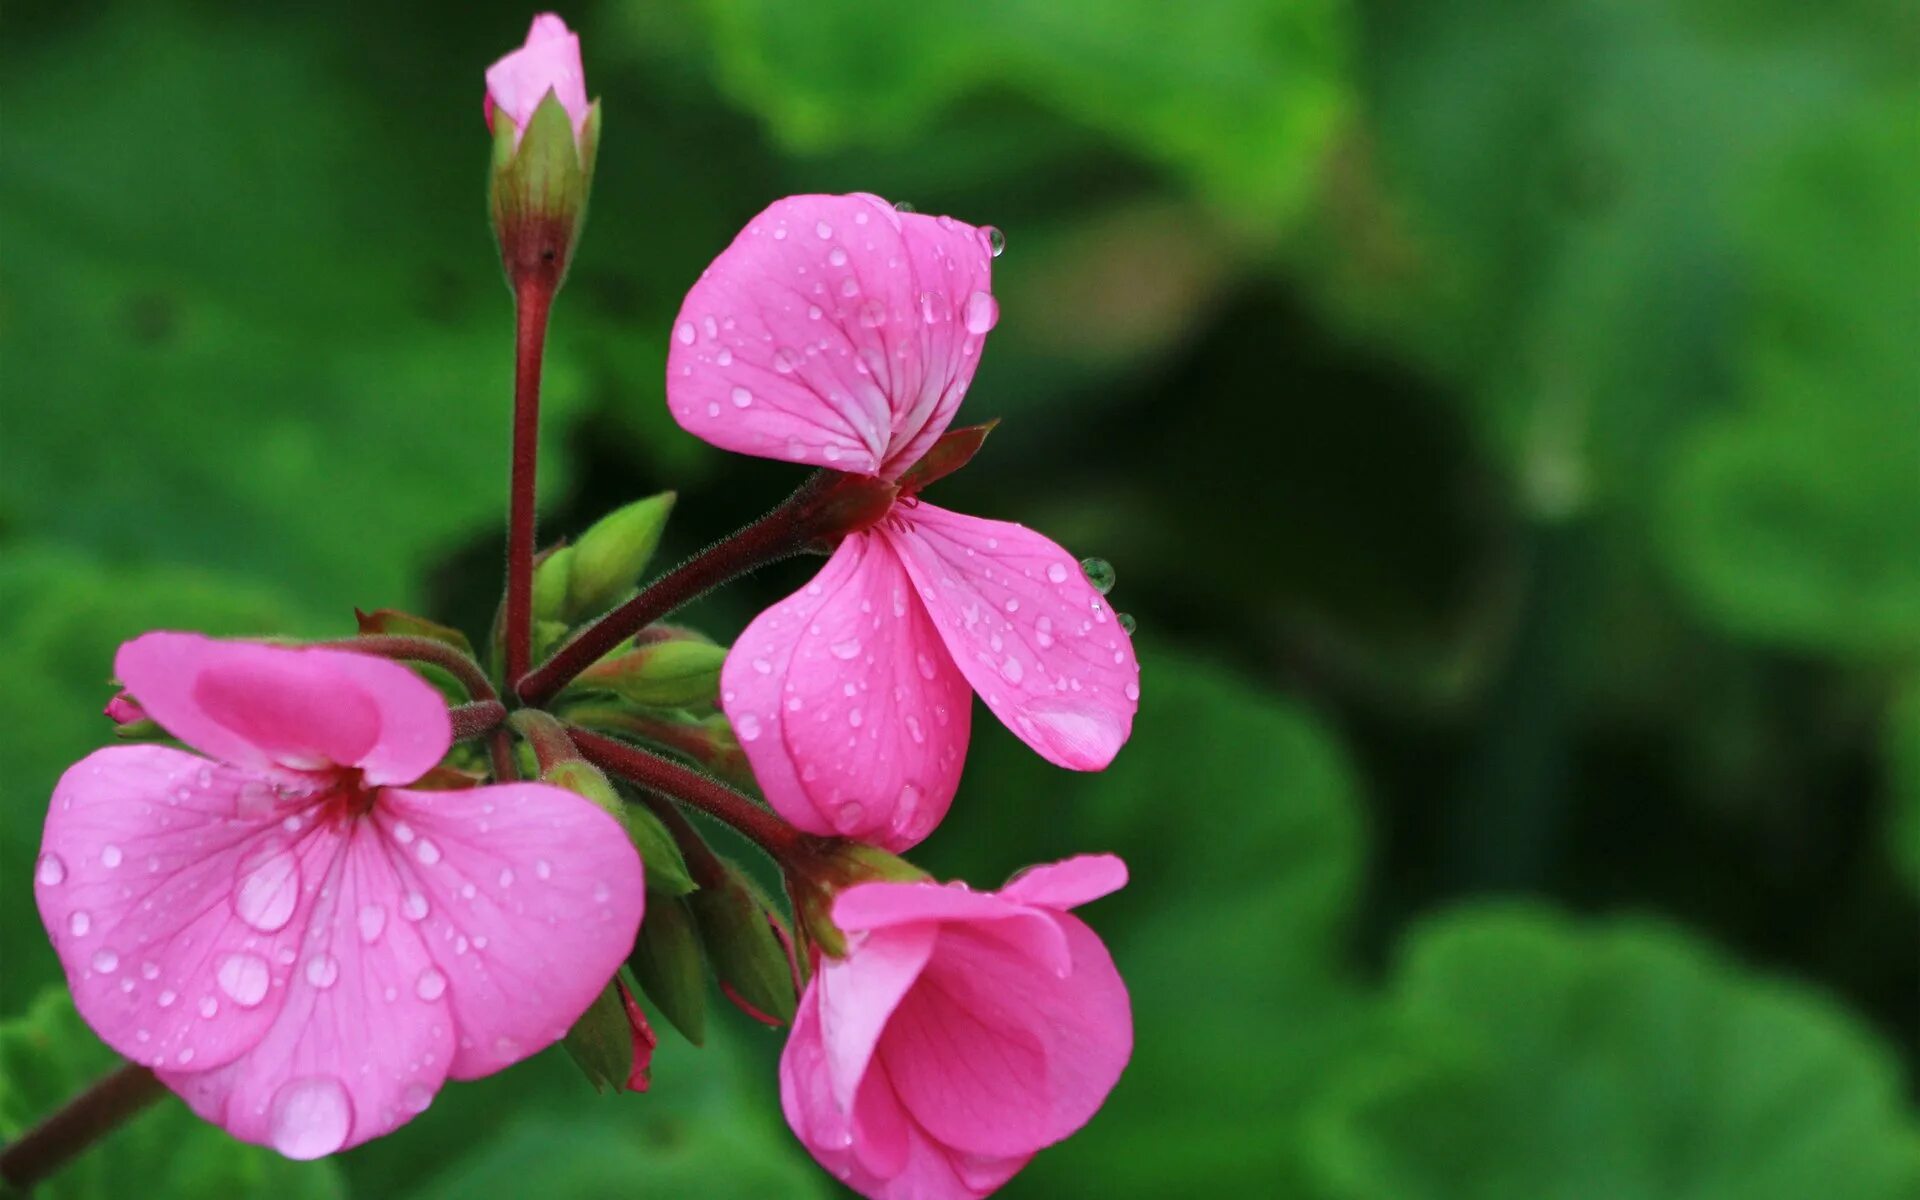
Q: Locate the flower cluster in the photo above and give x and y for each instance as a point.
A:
(388, 861)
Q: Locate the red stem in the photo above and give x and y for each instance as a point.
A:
(689, 786)
(533, 301)
(826, 506)
(422, 649)
(86, 1118)
(500, 753)
(477, 719)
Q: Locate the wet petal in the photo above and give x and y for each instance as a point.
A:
(177, 918)
(548, 62)
(1069, 883)
(857, 996)
(834, 331)
(292, 708)
(1036, 641)
(528, 898)
(847, 704)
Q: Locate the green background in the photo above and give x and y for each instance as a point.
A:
(1504, 418)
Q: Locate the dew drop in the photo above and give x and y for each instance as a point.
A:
(849, 815)
(431, 985)
(742, 397)
(209, 1007)
(506, 877)
(1056, 573)
(110, 856)
(310, 1117)
(685, 333)
(322, 970)
(416, 1097)
(824, 230)
(1133, 691)
(748, 727)
(996, 241)
(244, 978)
(1127, 622)
(268, 888)
(414, 906)
(982, 312)
(1099, 573)
(373, 922)
(838, 257)
(905, 206)
(79, 923)
(166, 998)
(543, 868)
(846, 650)
(52, 870)
(105, 961)
(427, 852)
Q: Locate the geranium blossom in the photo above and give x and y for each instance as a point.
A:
(549, 61)
(839, 332)
(300, 946)
(962, 1032)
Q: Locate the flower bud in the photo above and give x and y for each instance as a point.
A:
(550, 584)
(675, 674)
(609, 558)
(545, 136)
(612, 1043)
(130, 721)
(954, 449)
(666, 869)
(393, 621)
(748, 945)
(668, 963)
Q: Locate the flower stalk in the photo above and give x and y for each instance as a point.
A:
(656, 773)
(85, 1119)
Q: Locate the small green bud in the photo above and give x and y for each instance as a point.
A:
(668, 963)
(675, 674)
(612, 1043)
(551, 580)
(541, 177)
(749, 947)
(393, 621)
(609, 558)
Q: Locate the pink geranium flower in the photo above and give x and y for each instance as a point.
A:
(839, 332)
(962, 1032)
(548, 62)
(297, 944)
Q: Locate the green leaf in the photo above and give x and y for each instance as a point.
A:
(1617, 1062)
(48, 1055)
(293, 327)
(1242, 99)
(1798, 521)
(61, 619)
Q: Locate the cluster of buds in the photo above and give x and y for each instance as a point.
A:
(389, 861)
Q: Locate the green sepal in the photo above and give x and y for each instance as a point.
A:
(601, 1041)
(609, 558)
(748, 954)
(675, 674)
(393, 621)
(670, 967)
(539, 190)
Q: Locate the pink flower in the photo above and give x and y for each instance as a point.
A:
(962, 1032)
(300, 947)
(839, 332)
(121, 710)
(548, 62)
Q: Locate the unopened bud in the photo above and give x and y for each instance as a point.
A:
(612, 1043)
(545, 137)
(610, 557)
(393, 621)
(676, 674)
(668, 963)
(551, 579)
(748, 945)
(666, 870)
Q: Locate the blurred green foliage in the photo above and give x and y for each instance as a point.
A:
(1505, 418)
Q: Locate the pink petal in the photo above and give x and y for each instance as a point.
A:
(281, 707)
(847, 704)
(852, 1148)
(1068, 884)
(995, 1054)
(857, 995)
(1039, 645)
(548, 62)
(365, 1032)
(178, 920)
(834, 330)
(529, 897)
(1033, 932)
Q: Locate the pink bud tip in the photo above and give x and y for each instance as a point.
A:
(549, 61)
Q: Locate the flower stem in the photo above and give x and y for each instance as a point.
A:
(533, 301)
(476, 719)
(828, 505)
(688, 786)
(422, 649)
(91, 1115)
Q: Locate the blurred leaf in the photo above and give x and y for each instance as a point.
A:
(1903, 787)
(61, 619)
(1240, 97)
(1799, 521)
(1238, 819)
(48, 1055)
(1558, 178)
(1623, 1062)
(304, 364)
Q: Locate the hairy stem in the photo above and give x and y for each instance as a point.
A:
(476, 719)
(688, 786)
(422, 649)
(533, 301)
(85, 1119)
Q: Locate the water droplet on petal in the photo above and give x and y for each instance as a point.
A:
(742, 397)
(747, 726)
(110, 856)
(824, 230)
(427, 852)
(79, 923)
(209, 1007)
(1099, 573)
(243, 977)
(996, 241)
(1057, 573)
(685, 333)
(105, 962)
(414, 906)
(982, 312)
(373, 922)
(849, 816)
(846, 650)
(52, 870)
(905, 206)
(416, 1097)
(431, 985)
(322, 970)
(543, 868)
(1127, 622)
(267, 889)
(310, 1117)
